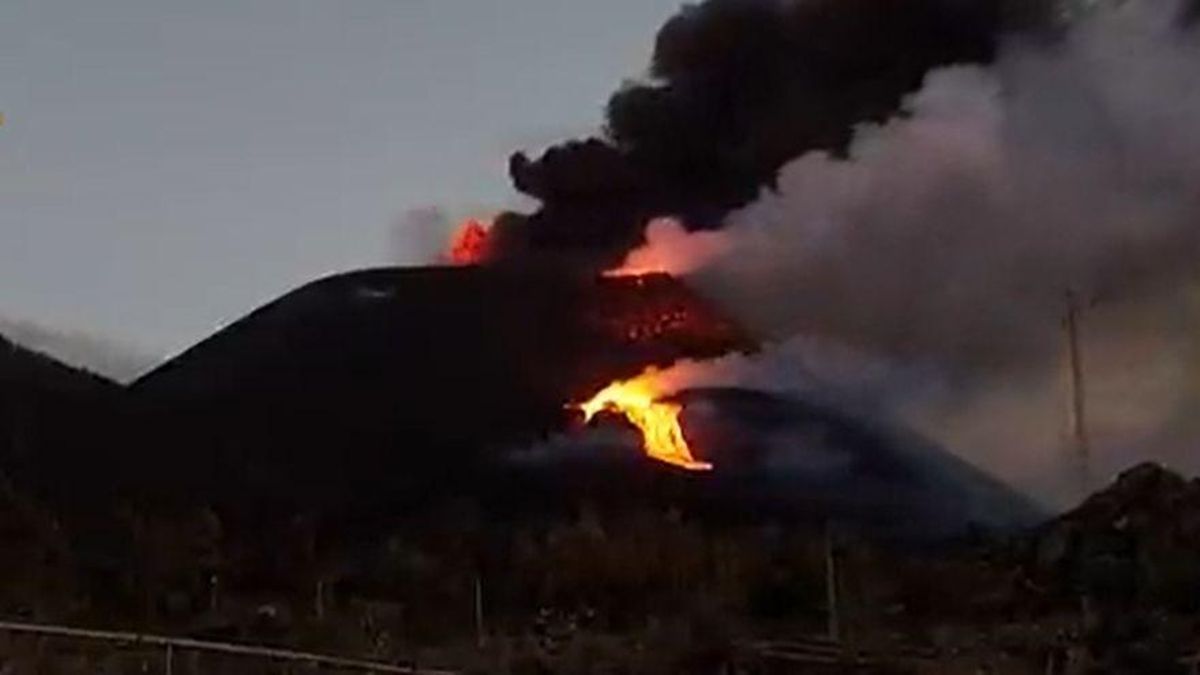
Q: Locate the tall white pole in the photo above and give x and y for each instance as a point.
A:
(1076, 418)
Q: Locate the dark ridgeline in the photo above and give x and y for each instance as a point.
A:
(1132, 546)
(47, 406)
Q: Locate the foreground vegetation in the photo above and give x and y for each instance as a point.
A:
(1112, 584)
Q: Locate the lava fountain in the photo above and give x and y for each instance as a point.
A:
(658, 421)
(471, 243)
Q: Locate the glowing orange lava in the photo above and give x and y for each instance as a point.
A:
(637, 400)
(471, 243)
(626, 271)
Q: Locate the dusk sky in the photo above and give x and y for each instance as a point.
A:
(166, 165)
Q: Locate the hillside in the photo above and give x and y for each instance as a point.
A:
(25, 368)
(379, 384)
(51, 415)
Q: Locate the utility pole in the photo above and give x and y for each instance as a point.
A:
(1076, 419)
(831, 585)
(319, 598)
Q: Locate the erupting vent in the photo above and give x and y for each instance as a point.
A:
(644, 312)
(650, 308)
(471, 244)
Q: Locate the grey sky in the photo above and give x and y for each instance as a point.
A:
(168, 165)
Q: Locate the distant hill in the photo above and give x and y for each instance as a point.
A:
(26, 368)
(51, 414)
(78, 349)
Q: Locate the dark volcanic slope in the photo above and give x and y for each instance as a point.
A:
(780, 459)
(32, 371)
(865, 470)
(50, 412)
(373, 380)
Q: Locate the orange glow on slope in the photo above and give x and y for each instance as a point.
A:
(636, 399)
(627, 271)
(671, 249)
(471, 243)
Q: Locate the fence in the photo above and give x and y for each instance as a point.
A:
(820, 651)
(170, 645)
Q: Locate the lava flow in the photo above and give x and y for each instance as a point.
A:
(658, 421)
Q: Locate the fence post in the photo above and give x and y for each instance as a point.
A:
(480, 634)
(170, 658)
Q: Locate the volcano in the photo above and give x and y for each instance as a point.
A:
(388, 382)
(394, 390)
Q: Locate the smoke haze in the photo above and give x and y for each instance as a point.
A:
(940, 250)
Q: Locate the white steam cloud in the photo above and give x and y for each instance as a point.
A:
(939, 253)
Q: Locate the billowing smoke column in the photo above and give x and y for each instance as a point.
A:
(736, 89)
(956, 230)
(937, 253)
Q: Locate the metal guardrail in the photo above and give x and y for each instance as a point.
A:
(820, 651)
(170, 644)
